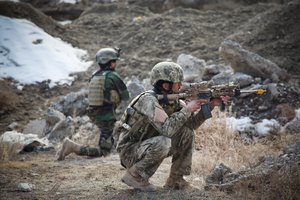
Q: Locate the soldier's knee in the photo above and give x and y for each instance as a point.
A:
(164, 144)
(188, 133)
(185, 137)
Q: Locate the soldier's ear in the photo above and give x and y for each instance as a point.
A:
(166, 86)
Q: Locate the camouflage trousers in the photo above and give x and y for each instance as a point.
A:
(149, 154)
(106, 141)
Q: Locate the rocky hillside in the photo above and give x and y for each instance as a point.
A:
(152, 31)
(146, 37)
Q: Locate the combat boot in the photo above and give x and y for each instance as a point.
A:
(176, 182)
(133, 179)
(68, 147)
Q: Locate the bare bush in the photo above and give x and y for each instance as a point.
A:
(216, 143)
(8, 150)
(7, 96)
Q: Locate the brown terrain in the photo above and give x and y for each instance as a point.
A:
(149, 32)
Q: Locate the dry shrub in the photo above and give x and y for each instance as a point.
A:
(287, 111)
(283, 184)
(8, 150)
(216, 143)
(7, 96)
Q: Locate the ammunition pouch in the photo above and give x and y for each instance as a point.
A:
(114, 97)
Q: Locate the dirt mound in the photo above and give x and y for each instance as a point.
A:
(148, 37)
(23, 10)
(274, 35)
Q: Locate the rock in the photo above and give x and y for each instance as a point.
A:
(146, 83)
(216, 175)
(293, 126)
(13, 126)
(25, 187)
(13, 142)
(52, 117)
(222, 78)
(135, 87)
(214, 69)
(35, 127)
(263, 108)
(73, 104)
(250, 63)
(292, 149)
(242, 79)
(62, 129)
(193, 68)
(272, 88)
(238, 78)
(58, 126)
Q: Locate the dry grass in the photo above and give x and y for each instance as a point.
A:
(17, 165)
(218, 144)
(283, 184)
(7, 96)
(8, 151)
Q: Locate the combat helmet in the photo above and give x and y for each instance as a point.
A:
(105, 55)
(166, 71)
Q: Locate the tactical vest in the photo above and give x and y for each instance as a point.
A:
(96, 90)
(134, 125)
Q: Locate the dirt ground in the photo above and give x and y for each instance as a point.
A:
(79, 177)
(145, 38)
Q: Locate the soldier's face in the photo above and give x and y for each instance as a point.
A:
(176, 87)
(113, 65)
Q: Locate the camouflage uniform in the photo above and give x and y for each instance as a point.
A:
(145, 143)
(110, 89)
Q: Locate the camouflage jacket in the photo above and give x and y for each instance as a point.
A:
(139, 122)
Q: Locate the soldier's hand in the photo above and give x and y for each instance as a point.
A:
(218, 101)
(194, 105)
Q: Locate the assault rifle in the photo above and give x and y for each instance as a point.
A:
(202, 90)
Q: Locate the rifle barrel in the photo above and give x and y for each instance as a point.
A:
(259, 91)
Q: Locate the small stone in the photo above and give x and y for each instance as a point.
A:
(25, 187)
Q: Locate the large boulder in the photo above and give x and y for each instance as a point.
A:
(247, 62)
(73, 104)
(13, 142)
(193, 68)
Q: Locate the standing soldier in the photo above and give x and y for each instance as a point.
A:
(106, 91)
(152, 129)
